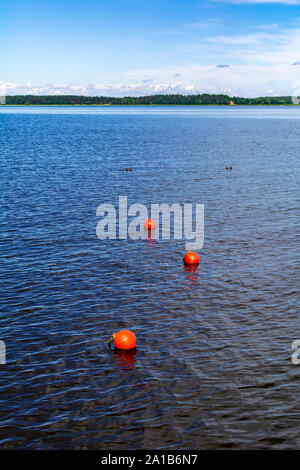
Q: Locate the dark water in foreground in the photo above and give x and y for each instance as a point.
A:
(213, 367)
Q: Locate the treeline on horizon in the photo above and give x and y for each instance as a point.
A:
(203, 99)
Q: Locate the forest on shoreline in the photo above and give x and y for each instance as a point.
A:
(181, 100)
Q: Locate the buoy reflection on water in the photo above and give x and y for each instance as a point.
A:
(125, 359)
(192, 273)
(151, 238)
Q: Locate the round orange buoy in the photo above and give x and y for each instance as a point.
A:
(124, 339)
(191, 258)
(150, 224)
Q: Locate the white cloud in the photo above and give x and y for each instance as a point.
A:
(279, 47)
(249, 39)
(121, 89)
(260, 63)
(241, 80)
(268, 26)
(166, 32)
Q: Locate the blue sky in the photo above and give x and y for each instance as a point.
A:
(136, 47)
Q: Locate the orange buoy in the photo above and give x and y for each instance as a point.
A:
(124, 339)
(150, 224)
(191, 258)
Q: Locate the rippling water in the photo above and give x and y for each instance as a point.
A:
(213, 366)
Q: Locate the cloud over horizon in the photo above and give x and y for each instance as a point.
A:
(205, 85)
(114, 90)
(197, 50)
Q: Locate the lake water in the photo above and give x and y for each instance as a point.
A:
(213, 366)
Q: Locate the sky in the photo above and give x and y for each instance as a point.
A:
(141, 47)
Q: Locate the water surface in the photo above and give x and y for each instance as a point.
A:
(213, 367)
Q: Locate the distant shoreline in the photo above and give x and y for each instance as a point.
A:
(148, 105)
(204, 99)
